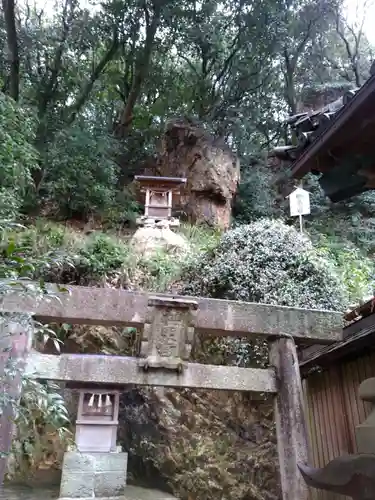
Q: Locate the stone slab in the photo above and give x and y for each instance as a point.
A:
(106, 306)
(93, 475)
(136, 493)
(121, 371)
(77, 484)
(98, 462)
(109, 484)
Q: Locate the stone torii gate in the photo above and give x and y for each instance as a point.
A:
(97, 468)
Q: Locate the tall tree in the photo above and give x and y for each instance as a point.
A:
(13, 54)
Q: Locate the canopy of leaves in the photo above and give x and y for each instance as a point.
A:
(102, 80)
(18, 157)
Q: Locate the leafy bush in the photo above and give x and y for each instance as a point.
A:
(42, 424)
(356, 270)
(81, 177)
(41, 406)
(18, 158)
(101, 255)
(267, 262)
(256, 194)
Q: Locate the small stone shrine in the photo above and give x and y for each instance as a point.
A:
(351, 475)
(96, 467)
(159, 193)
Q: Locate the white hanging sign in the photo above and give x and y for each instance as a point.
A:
(299, 202)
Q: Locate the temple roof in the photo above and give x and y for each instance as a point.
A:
(336, 143)
(160, 182)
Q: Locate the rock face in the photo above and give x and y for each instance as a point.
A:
(210, 167)
(200, 445)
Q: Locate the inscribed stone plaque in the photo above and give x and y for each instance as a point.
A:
(168, 331)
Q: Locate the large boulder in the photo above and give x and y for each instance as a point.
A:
(153, 238)
(210, 167)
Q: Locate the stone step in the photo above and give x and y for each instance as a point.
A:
(131, 493)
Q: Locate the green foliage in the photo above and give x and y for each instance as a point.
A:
(18, 158)
(267, 262)
(41, 406)
(256, 196)
(356, 270)
(81, 178)
(59, 254)
(234, 65)
(270, 262)
(101, 255)
(42, 417)
(201, 239)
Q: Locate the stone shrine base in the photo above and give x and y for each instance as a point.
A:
(137, 493)
(93, 475)
(160, 223)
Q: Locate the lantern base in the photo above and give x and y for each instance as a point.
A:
(93, 475)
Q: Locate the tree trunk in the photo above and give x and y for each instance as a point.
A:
(12, 42)
(140, 72)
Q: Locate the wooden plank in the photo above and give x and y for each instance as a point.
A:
(106, 306)
(291, 428)
(119, 370)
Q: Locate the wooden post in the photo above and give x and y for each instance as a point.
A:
(170, 203)
(291, 429)
(147, 201)
(15, 344)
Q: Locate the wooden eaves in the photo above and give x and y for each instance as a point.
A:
(350, 133)
(358, 336)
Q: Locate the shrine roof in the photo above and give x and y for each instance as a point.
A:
(358, 337)
(153, 180)
(336, 143)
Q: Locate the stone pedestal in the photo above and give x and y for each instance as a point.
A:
(145, 221)
(93, 475)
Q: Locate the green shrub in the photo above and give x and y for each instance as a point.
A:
(356, 270)
(81, 177)
(41, 409)
(18, 157)
(256, 193)
(100, 255)
(267, 262)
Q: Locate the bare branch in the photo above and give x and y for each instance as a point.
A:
(189, 63)
(50, 78)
